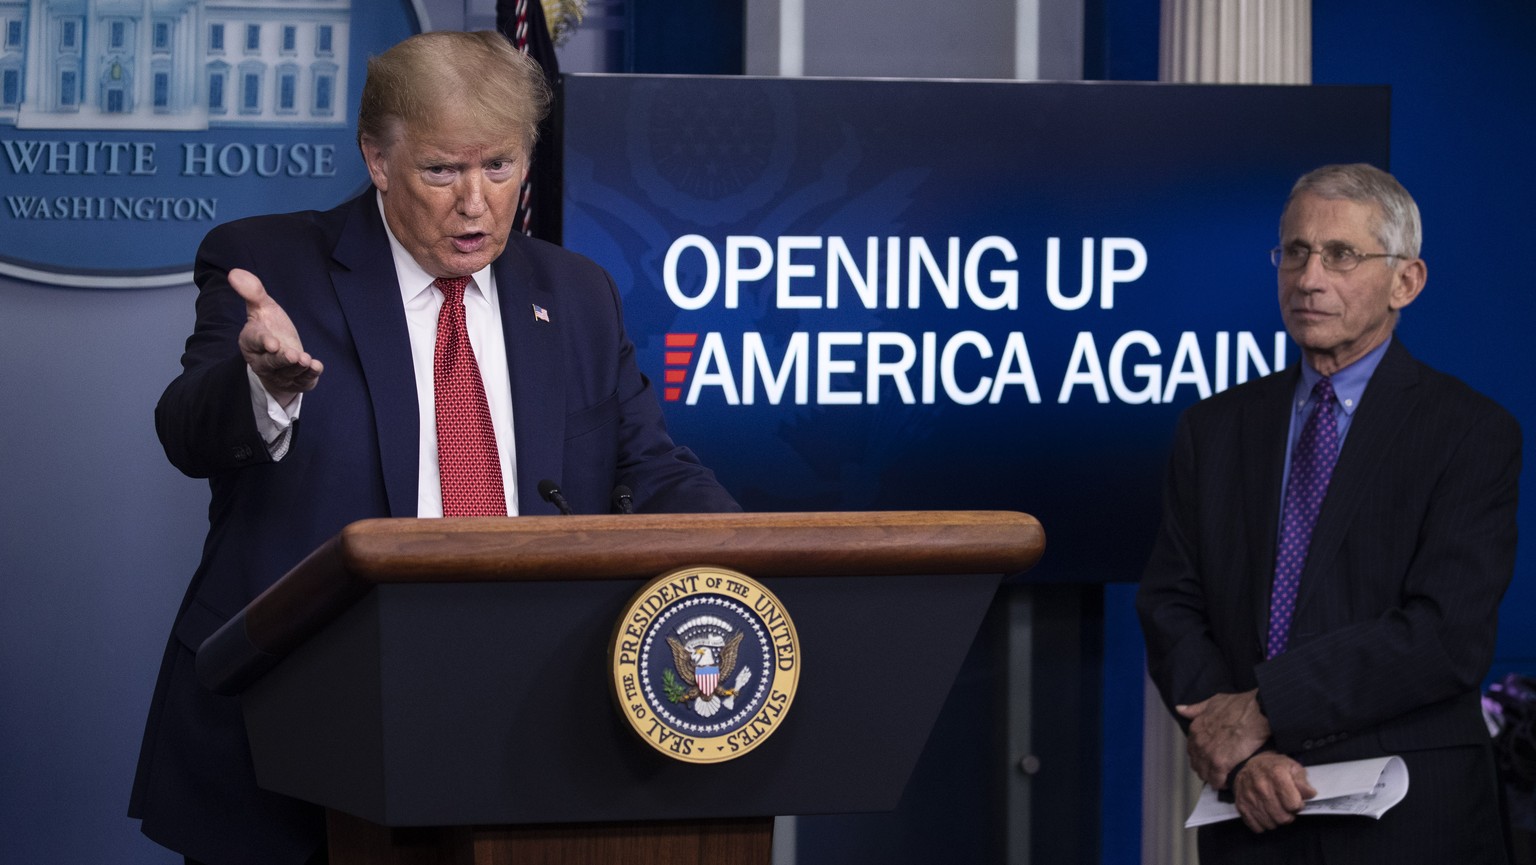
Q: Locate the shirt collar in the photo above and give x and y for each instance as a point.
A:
(415, 281)
(1348, 383)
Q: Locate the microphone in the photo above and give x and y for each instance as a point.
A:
(623, 500)
(552, 494)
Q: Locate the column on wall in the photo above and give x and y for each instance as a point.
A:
(1236, 41)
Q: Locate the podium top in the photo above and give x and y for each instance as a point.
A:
(604, 547)
(627, 546)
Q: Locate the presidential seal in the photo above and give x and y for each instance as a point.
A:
(705, 662)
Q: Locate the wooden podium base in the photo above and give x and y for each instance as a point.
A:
(746, 840)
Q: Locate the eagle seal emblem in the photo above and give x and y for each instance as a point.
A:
(705, 662)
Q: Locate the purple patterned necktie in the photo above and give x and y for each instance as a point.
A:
(1311, 467)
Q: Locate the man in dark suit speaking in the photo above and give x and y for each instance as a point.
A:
(1335, 542)
(402, 355)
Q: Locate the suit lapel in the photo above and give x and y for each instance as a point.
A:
(534, 352)
(1387, 404)
(383, 345)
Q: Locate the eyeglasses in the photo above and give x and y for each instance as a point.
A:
(1339, 259)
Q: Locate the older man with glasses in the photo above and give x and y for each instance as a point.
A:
(1335, 542)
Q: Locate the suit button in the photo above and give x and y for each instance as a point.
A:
(242, 453)
(1308, 744)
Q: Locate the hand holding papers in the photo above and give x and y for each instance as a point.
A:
(1364, 787)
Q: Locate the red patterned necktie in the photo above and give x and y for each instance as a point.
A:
(466, 441)
(1311, 468)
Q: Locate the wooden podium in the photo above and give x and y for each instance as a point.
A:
(441, 686)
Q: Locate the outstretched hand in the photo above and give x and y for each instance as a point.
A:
(1224, 730)
(270, 343)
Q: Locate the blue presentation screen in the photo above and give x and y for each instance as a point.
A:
(870, 295)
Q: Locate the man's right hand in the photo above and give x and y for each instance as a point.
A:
(1270, 789)
(270, 343)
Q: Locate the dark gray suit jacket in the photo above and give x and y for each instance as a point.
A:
(584, 417)
(1397, 610)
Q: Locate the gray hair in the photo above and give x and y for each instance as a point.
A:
(1397, 226)
(429, 77)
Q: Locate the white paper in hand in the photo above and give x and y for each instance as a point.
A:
(1364, 787)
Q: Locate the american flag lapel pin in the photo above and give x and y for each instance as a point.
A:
(540, 314)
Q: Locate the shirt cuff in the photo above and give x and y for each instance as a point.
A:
(273, 421)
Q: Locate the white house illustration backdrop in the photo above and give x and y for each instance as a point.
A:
(173, 64)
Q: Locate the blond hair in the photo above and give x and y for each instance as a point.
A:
(430, 77)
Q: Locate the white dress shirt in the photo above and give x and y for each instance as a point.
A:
(422, 301)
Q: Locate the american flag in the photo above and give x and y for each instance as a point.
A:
(540, 313)
(522, 22)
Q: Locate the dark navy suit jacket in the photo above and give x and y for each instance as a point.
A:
(583, 414)
(1397, 609)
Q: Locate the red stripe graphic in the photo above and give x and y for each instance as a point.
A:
(677, 364)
